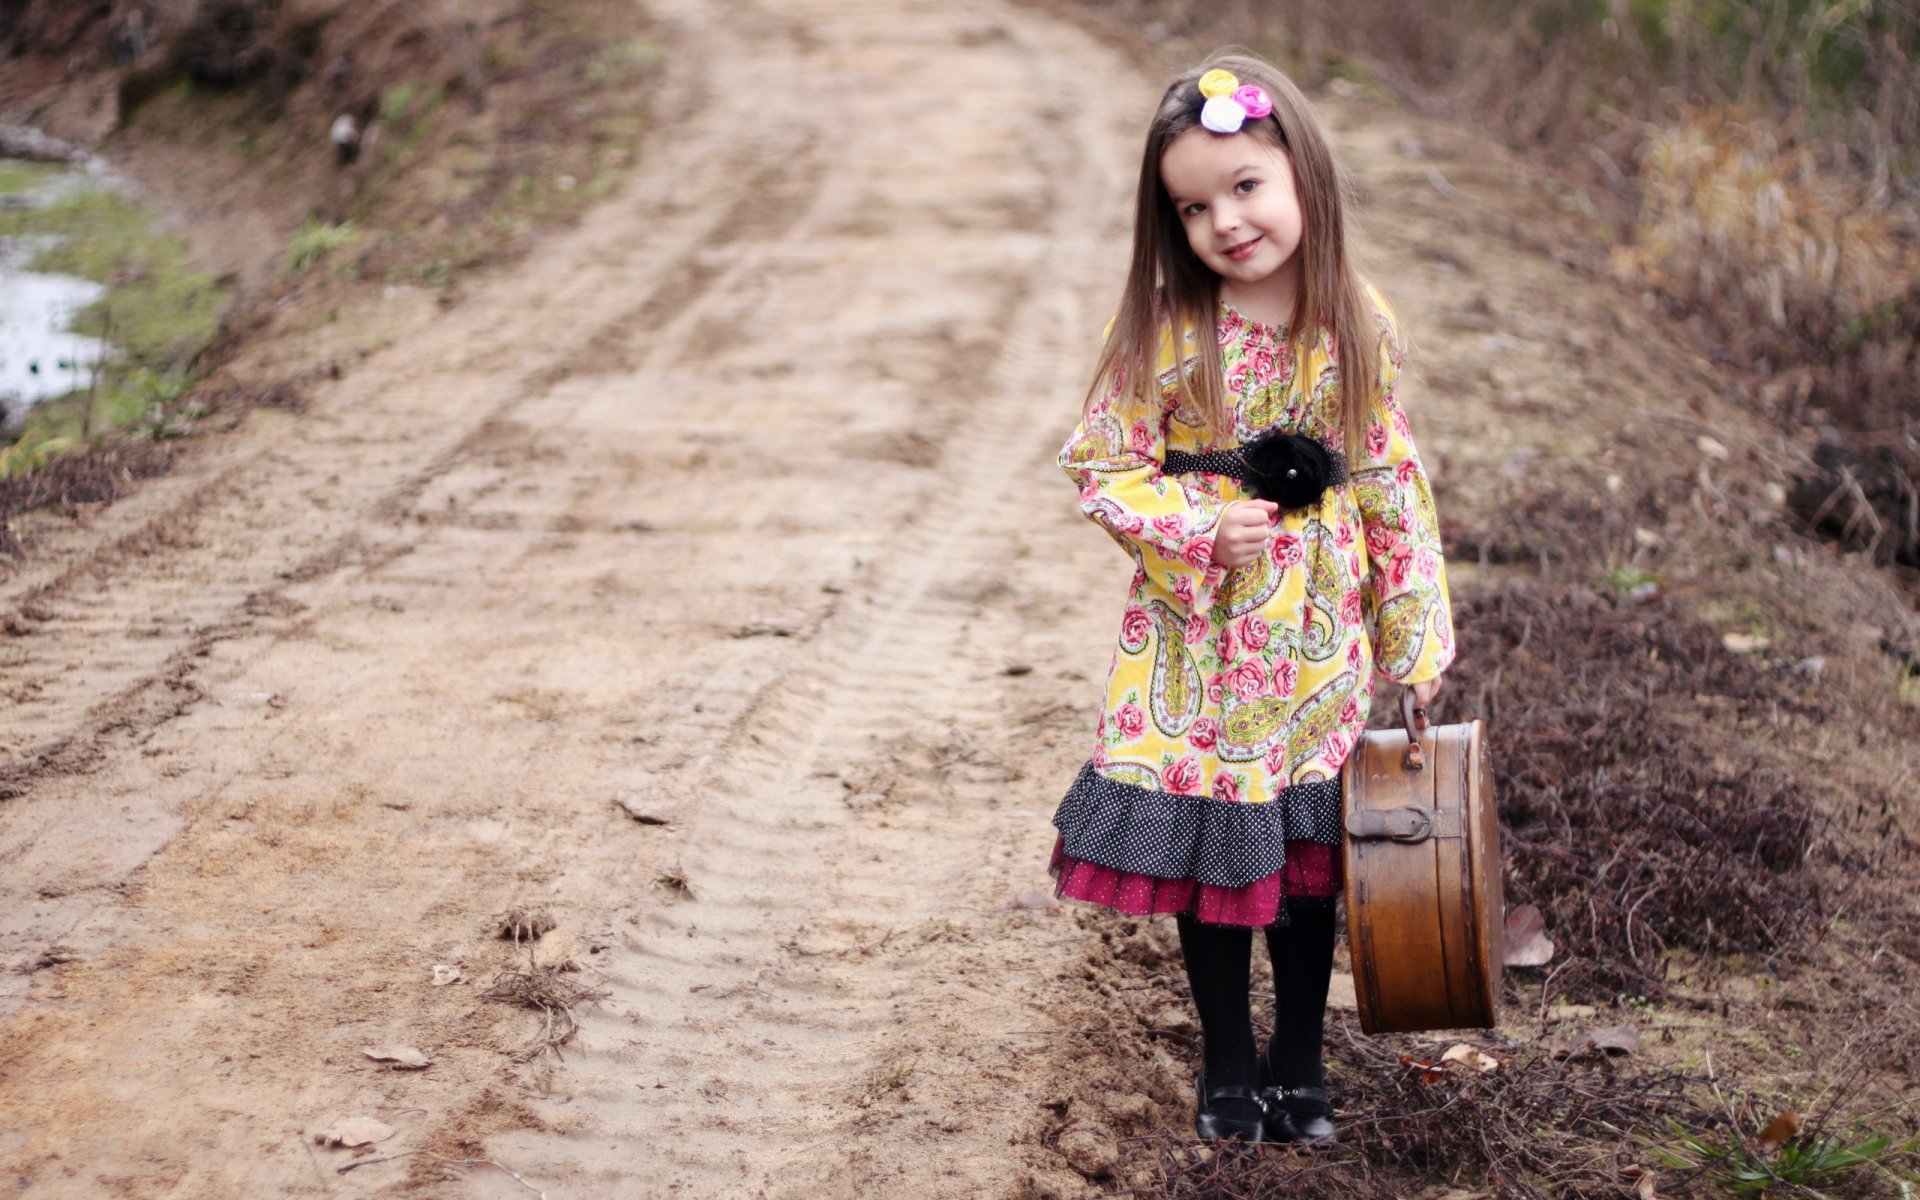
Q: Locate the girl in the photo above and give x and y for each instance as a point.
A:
(1247, 360)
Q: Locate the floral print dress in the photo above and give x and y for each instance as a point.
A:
(1236, 695)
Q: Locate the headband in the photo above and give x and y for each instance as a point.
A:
(1229, 105)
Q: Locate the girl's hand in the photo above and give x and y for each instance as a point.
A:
(1243, 530)
(1423, 694)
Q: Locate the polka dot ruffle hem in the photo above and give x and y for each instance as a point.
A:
(1311, 878)
(1142, 831)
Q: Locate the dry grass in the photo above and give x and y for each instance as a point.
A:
(1533, 1128)
(548, 990)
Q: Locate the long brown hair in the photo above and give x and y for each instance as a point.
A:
(1168, 286)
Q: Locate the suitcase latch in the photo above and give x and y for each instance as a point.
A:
(1405, 824)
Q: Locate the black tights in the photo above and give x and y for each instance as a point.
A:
(1219, 959)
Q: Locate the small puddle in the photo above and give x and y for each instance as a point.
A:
(98, 303)
(40, 356)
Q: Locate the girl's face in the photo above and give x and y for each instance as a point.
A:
(1237, 201)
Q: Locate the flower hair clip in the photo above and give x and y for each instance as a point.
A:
(1229, 104)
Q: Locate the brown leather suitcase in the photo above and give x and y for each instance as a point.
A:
(1425, 912)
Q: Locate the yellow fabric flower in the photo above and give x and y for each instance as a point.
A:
(1218, 83)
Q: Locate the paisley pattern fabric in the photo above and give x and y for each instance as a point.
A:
(1243, 687)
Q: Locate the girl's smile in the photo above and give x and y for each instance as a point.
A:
(1244, 250)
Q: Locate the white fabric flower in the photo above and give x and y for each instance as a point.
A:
(1223, 114)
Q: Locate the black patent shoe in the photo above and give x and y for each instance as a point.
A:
(1211, 1126)
(1300, 1115)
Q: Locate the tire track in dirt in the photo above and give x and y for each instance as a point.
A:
(108, 641)
(781, 1002)
(496, 581)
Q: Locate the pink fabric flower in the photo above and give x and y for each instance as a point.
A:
(1253, 99)
(1337, 747)
(1183, 777)
(1255, 631)
(1381, 540)
(1135, 625)
(1170, 526)
(1287, 550)
(1248, 680)
(1183, 590)
(1225, 789)
(1350, 608)
(1205, 734)
(1276, 763)
(1197, 628)
(1398, 564)
(1407, 471)
(1376, 440)
(1140, 439)
(1197, 554)
(1131, 720)
(1286, 676)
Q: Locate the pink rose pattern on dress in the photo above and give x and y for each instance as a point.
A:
(1376, 539)
(1183, 777)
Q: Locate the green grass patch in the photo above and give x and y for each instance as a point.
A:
(158, 313)
(316, 240)
(159, 310)
(18, 177)
(137, 400)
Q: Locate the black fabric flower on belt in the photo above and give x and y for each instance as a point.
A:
(1289, 469)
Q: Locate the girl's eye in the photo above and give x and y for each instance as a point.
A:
(1193, 210)
(1246, 185)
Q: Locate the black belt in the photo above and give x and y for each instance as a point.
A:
(1310, 467)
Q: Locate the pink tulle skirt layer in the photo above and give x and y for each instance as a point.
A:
(1312, 869)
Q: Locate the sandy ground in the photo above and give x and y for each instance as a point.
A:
(738, 502)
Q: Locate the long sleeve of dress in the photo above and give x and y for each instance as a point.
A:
(1166, 522)
(1404, 589)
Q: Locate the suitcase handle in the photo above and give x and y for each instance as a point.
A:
(1414, 717)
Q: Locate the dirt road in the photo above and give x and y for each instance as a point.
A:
(738, 502)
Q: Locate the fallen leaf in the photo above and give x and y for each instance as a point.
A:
(1527, 941)
(1710, 447)
(354, 1131)
(1745, 643)
(639, 809)
(444, 974)
(1470, 1056)
(1778, 1131)
(1649, 1188)
(1617, 1039)
(405, 1058)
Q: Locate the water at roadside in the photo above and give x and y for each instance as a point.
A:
(40, 357)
